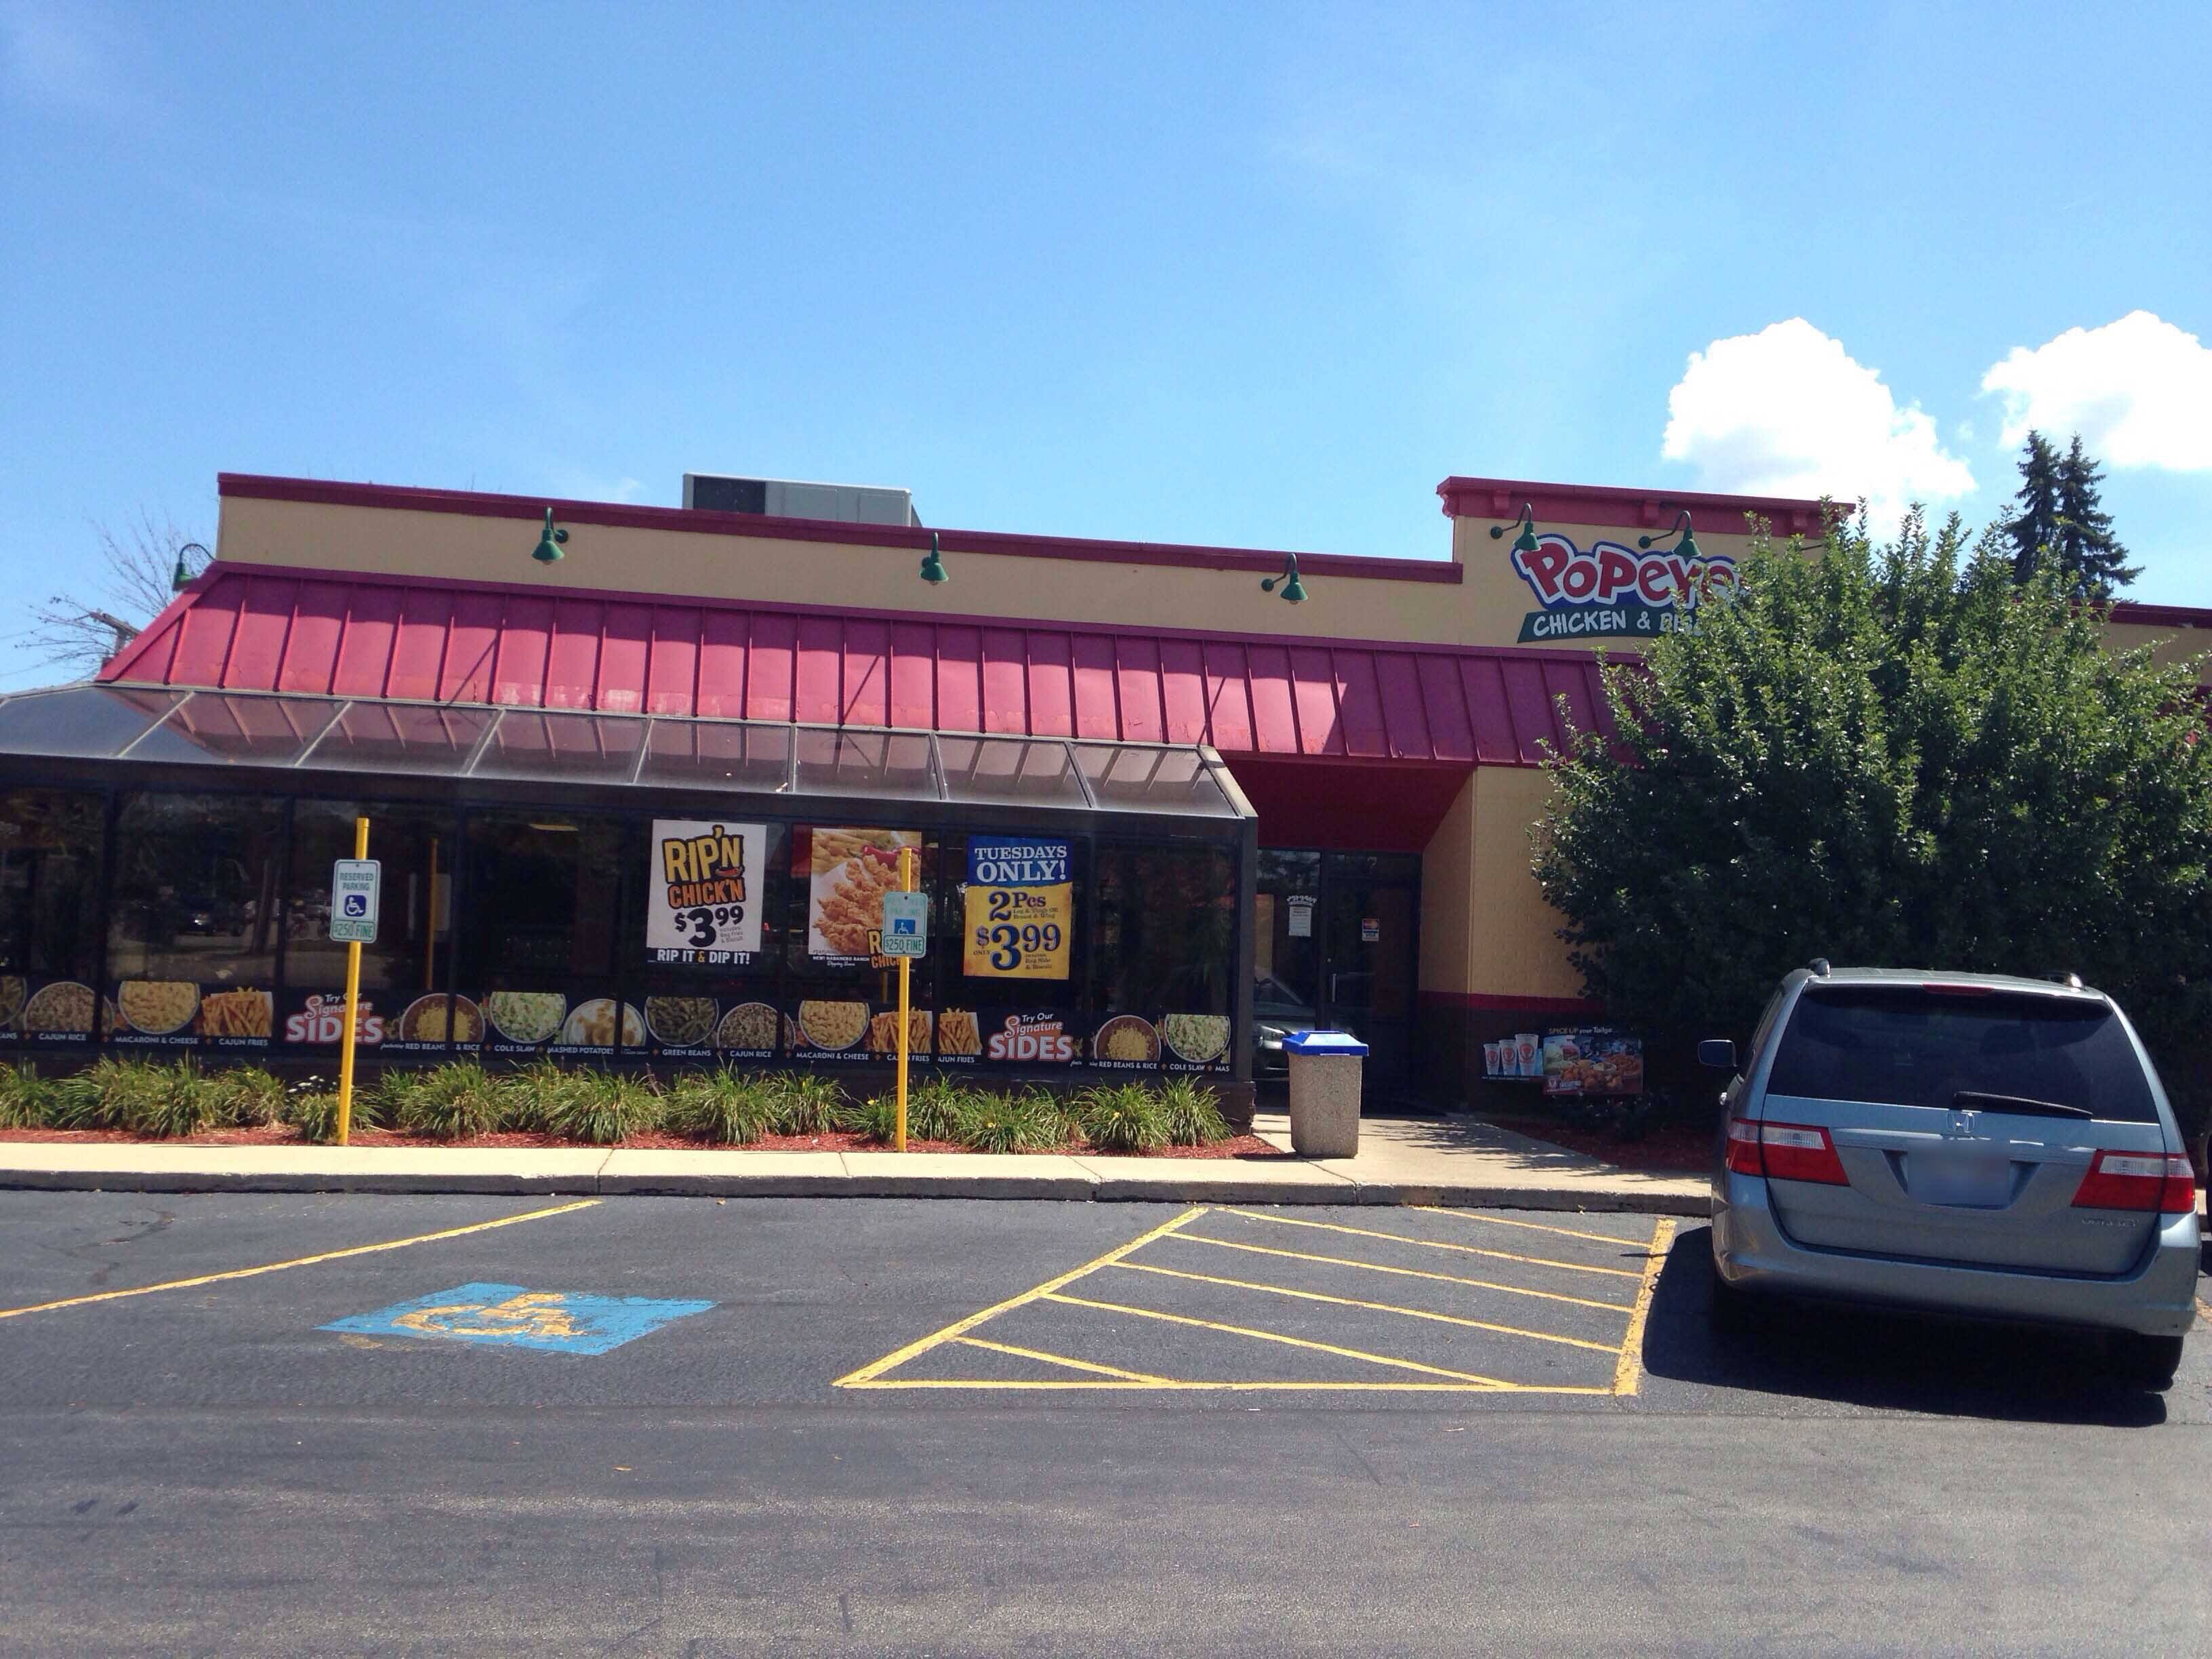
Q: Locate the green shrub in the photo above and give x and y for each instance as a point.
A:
(1120, 1118)
(877, 1118)
(311, 1106)
(722, 1106)
(1192, 1118)
(455, 1102)
(607, 1107)
(244, 1098)
(1030, 1121)
(145, 1097)
(90, 1099)
(938, 1108)
(535, 1098)
(804, 1105)
(26, 1098)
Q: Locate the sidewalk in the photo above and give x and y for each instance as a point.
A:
(1453, 1161)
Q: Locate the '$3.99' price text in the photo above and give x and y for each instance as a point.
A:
(703, 920)
(1007, 936)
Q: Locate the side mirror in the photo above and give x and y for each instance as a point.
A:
(1719, 1053)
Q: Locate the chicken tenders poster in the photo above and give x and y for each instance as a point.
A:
(848, 872)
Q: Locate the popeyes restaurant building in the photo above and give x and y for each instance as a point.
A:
(640, 801)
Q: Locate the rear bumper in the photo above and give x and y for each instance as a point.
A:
(1753, 1254)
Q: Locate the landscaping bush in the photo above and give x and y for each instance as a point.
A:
(937, 1109)
(1192, 1118)
(246, 1097)
(144, 1098)
(455, 1102)
(26, 1098)
(1030, 1121)
(801, 1103)
(722, 1106)
(1120, 1118)
(877, 1118)
(536, 1097)
(607, 1107)
(311, 1106)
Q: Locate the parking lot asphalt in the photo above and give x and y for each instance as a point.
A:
(270, 1423)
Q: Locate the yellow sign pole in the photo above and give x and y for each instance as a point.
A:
(906, 970)
(353, 1004)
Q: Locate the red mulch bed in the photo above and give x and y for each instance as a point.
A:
(1666, 1148)
(840, 1140)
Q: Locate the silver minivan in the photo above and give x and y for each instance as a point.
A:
(1957, 1143)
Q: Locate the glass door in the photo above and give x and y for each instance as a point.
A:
(1369, 967)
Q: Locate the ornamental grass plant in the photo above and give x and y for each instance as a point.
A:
(722, 1106)
(1123, 1117)
(26, 1097)
(457, 1101)
(801, 1103)
(610, 1107)
(1193, 1116)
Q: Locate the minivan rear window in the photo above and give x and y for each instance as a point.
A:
(1912, 1046)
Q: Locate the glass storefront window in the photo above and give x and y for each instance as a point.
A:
(192, 925)
(1162, 953)
(706, 1008)
(538, 914)
(405, 974)
(50, 859)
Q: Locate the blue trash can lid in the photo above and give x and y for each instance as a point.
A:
(1325, 1043)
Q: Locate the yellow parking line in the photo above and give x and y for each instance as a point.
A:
(1377, 1307)
(1060, 1359)
(296, 1261)
(875, 1369)
(1409, 1272)
(1628, 1375)
(1432, 1243)
(1276, 1386)
(1288, 1341)
(1533, 1226)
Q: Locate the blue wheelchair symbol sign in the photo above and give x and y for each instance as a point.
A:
(356, 904)
(902, 925)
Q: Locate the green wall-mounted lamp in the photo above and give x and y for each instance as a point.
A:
(548, 550)
(1688, 547)
(181, 577)
(932, 564)
(1293, 589)
(1526, 541)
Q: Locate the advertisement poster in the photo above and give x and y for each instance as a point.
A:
(172, 1013)
(847, 874)
(1176, 1042)
(703, 902)
(832, 1029)
(1593, 1062)
(1031, 1037)
(1020, 906)
(58, 1012)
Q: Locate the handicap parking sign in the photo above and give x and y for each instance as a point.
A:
(905, 924)
(356, 904)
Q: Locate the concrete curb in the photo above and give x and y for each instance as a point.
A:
(812, 1175)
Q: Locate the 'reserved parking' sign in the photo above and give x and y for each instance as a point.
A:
(354, 886)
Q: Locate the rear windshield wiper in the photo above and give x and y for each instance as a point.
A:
(2017, 1105)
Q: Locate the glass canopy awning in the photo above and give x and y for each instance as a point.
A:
(162, 724)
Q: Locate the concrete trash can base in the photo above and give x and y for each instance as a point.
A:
(1325, 1077)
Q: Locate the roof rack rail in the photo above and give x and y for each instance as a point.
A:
(1820, 967)
(2071, 981)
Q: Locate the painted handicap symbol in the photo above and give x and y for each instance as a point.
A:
(514, 1317)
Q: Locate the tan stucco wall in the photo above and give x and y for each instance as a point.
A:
(1513, 946)
(1485, 608)
(1447, 890)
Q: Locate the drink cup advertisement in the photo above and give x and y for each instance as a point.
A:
(1527, 1055)
(1017, 908)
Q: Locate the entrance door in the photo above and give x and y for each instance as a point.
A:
(1369, 963)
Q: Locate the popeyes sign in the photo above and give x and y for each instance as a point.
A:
(1607, 590)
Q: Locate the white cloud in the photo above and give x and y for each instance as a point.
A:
(2139, 393)
(1787, 412)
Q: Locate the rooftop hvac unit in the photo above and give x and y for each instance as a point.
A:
(788, 498)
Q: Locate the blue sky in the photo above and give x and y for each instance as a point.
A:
(1252, 275)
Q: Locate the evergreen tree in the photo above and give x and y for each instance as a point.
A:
(2033, 531)
(2091, 560)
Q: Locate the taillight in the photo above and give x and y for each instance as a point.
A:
(1785, 1151)
(2138, 1180)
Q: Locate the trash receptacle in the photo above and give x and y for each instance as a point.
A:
(1325, 1070)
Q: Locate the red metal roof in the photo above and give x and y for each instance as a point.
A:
(265, 628)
